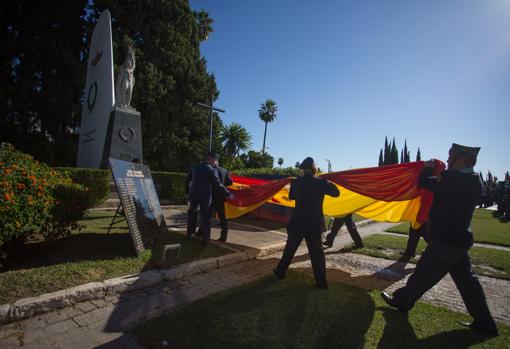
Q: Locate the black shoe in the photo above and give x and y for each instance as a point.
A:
(492, 330)
(359, 245)
(198, 233)
(221, 239)
(389, 300)
(322, 286)
(406, 254)
(278, 275)
(328, 244)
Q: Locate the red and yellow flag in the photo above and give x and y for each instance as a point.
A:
(385, 194)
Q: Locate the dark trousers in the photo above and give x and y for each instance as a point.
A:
(414, 238)
(314, 244)
(436, 261)
(351, 228)
(219, 207)
(205, 219)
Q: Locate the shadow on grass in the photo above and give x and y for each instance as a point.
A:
(399, 332)
(74, 248)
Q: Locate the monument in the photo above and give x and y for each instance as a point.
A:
(124, 134)
(110, 127)
(99, 95)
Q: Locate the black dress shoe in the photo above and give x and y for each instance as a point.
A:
(359, 245)
(492, 330)
(221, 239)
(391, 302)
(278, 275)
(406, 254)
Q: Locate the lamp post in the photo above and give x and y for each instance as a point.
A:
(212, 109)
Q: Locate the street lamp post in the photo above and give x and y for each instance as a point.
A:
(212, 109)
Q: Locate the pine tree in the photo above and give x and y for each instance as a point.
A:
(402, 156)
(418, 155)
(407, 155)
(386, 159)
(381, 160)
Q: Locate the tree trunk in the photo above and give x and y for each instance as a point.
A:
(264, 144)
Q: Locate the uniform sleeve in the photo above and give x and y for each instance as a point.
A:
(331, 189)
(426, 181)
(216, 182)
(292, 191)
(188, 181)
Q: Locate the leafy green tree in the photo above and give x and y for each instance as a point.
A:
(42, 74)
(255, 159)
(171, 77)
(280, 162)
(204, 24)
(267, 113)
(235, 139)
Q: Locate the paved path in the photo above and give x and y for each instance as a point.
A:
(103, 323)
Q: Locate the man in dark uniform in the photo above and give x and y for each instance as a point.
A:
(351, 228)
(218, 199)
(307, 221)
(413, 239)
(456, 193)
(200, 182)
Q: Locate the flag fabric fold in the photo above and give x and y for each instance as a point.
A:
(386, 193)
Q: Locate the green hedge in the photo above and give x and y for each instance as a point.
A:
(173, 186)
(96, 180)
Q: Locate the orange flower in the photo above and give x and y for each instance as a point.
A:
(7, 196)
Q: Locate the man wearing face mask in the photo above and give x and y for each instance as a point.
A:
(456, 194)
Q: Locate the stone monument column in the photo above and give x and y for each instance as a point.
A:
(99, 97)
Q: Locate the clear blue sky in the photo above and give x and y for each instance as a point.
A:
(347, 73)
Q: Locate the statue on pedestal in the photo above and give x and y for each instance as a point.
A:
(126, 81)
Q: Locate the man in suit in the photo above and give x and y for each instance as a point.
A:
(456, 194)
(200, 182)
(351, 228)
(218, 199)
(307, 221)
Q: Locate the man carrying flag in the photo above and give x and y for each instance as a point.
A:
(456, 193)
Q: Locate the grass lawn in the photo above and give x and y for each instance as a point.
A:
(291, 314)
(90, 255)
(486, 228)
(487, 261)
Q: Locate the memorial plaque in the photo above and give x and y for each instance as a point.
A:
(139, 201)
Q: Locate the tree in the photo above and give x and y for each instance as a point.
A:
(267, 113)
(406, 154)
(393, 153)
(386, 160)
(255, 159)
(204, 24)
(381, 161)
(402, 156)
(418, 155)
(171, 77)
(297, 164)
(280, 162)
(42, 73)
(235, 139)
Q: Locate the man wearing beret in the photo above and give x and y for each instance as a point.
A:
(456, 193)
(200, 182)
(307, 221)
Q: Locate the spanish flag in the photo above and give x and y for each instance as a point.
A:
(385, 194)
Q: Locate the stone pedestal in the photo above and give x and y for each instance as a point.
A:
(124, 136)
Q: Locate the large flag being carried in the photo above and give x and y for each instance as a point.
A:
(386, 193)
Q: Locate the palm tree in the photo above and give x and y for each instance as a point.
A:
(267, 113)
(204, 24)
(235, 139)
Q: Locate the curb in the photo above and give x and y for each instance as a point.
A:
(28, 307)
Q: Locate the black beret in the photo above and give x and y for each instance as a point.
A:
(307, 164)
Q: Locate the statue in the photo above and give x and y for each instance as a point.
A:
(126, 80)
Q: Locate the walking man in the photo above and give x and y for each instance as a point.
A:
(351, 228)
(200, 182)
(218, 199)
(456, 194)
(307, 221)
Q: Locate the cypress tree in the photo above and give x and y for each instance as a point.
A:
(418, 155)
(394, 153)
(386, 160)
(381, 161)
(402, 160)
